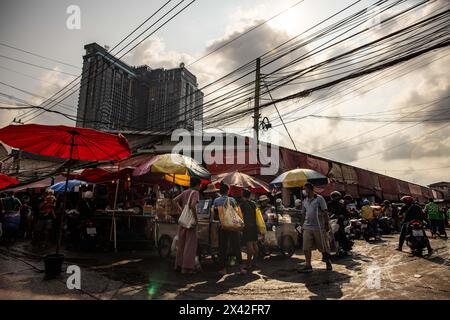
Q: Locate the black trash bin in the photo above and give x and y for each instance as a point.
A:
(53, 264)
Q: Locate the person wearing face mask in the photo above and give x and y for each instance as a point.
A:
(315, 225)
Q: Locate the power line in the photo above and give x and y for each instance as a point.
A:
(146, 37)
(27, 75)
(403, 143)
(248, 64)
(245, 33)
(413, 170)
(38, 66)
(279, 115)
(38, 55)
(85, 72)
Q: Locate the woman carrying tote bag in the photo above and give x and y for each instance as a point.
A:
(187, 229)
(229, 239)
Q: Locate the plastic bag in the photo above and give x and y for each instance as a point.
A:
(260, 222)
(173, 247)
(230, 217)
(187, 219)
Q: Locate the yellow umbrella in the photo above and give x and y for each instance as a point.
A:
(298, 178)
(176, 168)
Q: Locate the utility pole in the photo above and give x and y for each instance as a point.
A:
(256, 114)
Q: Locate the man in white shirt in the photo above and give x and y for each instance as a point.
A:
(315, 224)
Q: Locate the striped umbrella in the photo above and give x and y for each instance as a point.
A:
(176, 168)
(241, 180)
(298, 178)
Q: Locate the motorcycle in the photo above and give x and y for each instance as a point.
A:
(88, 235)
(355, 229)
(344, 244)
(416, 238)
(367, 230)
(385, 225)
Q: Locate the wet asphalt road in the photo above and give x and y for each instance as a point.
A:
(373, 271)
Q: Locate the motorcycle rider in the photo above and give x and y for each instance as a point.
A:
(386, 210)
(411, 211)
(337, 208)
(367, 213)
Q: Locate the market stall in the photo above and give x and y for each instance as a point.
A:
(148, 214)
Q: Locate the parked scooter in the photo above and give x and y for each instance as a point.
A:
(342, 236)
(385, 225)
(367, 230)
(355, 231)
(416, 238)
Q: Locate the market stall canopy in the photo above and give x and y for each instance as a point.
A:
(316, 164)
(291, 159)
(71, 186)
(298, 178)
(6, 181)
(176, 168)
(102, 173)
(44, 183)
(56, 141)
(241, 180)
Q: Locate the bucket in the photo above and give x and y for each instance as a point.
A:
(53, 264)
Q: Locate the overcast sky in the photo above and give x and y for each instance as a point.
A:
(408, 153)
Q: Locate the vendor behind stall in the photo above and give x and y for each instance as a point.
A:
(211, 193)
(264, 205)
(86, 207)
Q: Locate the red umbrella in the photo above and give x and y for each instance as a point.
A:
(104, 174)
(6, 181)
(66, 142)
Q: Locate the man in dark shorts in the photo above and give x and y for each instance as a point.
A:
(250, 232)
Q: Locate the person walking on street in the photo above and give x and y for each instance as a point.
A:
(26, 218)
(250, 232)
(45, 218)
(437, 219)
(229, 242)
(187, 238)
(315, 224)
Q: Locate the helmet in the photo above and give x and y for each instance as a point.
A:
(298, 202)
(278, 201)
(335, 195)
(348, 197)
(366, 202)
(88, 195)
(407, 199)
(386, 202)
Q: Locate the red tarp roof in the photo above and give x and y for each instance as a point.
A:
(44, 183)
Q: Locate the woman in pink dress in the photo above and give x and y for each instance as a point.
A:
(187, 238)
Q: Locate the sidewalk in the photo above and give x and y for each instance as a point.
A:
(24, 278)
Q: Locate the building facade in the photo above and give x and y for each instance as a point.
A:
(116, 96)
(443, 187)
